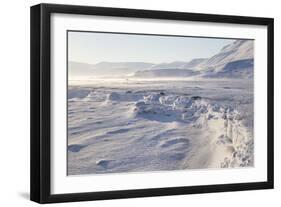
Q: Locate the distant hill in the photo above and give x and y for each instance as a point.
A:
(79, 69)
(160, 73)
(106, 68)
(233, 61)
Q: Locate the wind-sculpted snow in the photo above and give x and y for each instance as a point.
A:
(157, 106)
(198, 112)
(155, 126)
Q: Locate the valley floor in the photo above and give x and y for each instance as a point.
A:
(137, 125)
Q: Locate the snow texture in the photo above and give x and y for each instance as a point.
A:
(159, 125)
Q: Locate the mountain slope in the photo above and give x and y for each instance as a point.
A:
(194, 63)
(165, 73)
(238, 50)
(235, 69)
(175, 64)
(234, 61)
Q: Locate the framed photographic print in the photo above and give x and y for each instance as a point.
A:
(133, 103)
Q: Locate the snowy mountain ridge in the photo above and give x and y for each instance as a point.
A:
(234, 60)
(238, 50)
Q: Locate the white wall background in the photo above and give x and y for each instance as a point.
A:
(14, 103)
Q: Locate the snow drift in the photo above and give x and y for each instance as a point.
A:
(156, 126)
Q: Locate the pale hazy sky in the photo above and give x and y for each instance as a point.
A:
(89, 47)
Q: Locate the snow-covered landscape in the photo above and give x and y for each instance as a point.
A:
(158, 117)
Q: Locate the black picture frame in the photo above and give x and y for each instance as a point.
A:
(40, 180)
